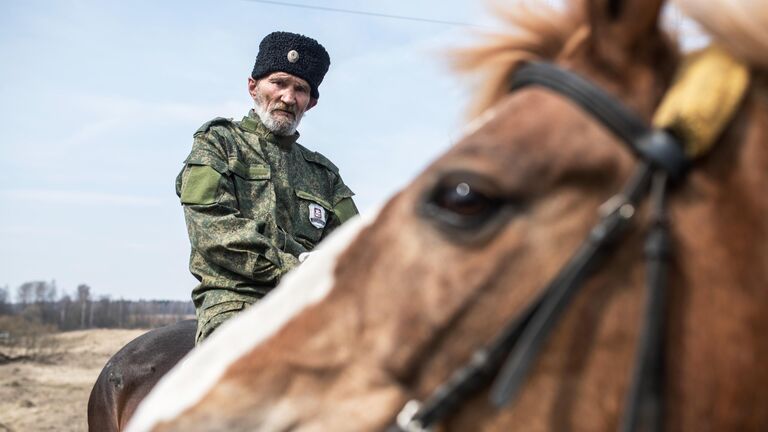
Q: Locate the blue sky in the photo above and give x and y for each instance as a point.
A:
(99, 100)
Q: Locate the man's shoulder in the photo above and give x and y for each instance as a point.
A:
(218, 122)
(317, 158)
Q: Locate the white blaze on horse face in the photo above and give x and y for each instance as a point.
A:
(201, 369)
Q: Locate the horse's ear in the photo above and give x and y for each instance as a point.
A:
(623, 29)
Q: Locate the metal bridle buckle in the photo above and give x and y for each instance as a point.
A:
(405, 418)
(617, 204)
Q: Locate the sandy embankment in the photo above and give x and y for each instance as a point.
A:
(53, 396)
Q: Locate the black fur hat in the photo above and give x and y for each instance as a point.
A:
(294, 54)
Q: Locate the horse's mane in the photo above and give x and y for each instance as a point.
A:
(540, 31)
(740, 25)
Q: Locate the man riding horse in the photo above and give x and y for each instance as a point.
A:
(255, 200)
(605, 214)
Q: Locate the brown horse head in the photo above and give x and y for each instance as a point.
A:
(414, 291)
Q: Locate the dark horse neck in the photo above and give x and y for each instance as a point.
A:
(132, 373)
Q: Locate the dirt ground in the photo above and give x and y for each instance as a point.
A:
(53, 395)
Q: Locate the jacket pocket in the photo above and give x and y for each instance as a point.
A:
(212, 312)
(250, 171)
(314, 214)
(253, 189)
(199, 184)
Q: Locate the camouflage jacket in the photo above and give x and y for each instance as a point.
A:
(254, 201)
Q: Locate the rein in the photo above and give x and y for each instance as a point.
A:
(663, 159)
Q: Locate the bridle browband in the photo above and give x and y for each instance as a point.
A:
(658, 147)
(508, 358)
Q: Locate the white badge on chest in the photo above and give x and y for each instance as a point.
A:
(317, 216)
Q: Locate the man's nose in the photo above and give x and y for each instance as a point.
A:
(288, 96)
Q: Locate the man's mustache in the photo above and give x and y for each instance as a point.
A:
(285, 107)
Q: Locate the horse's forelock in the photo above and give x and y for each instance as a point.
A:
(542, 32)
(197, 373)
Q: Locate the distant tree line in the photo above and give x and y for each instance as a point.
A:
(39, 302)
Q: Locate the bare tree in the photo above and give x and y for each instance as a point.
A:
(44, 292)
(25, 293)
(121, 314)
(4, 300)
(83, 297)
(64, 303)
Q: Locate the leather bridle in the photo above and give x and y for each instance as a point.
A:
(507, 359)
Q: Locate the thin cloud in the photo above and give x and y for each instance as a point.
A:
(111, 117)
(80, 197)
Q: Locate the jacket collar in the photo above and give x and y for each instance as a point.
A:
(252, 123)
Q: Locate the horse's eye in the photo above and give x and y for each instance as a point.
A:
(461, 202)
(462, 199)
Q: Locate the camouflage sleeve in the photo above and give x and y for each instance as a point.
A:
(344, 207)
(217, 231)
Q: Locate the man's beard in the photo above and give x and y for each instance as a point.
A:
(278, 125)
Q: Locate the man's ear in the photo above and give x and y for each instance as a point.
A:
(252, 87)
(312, 103)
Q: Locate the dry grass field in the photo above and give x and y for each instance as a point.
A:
(52, 394)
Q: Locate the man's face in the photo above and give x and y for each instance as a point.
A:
(281, 100)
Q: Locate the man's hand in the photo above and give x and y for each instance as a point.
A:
(304, 256)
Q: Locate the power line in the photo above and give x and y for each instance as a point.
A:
(373, 14)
